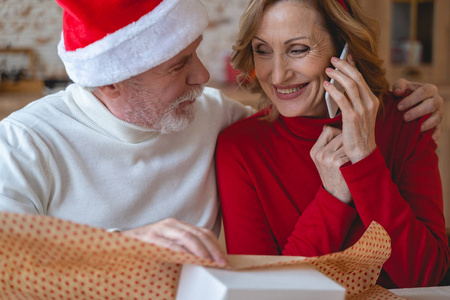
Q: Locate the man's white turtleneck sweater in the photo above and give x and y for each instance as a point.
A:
(67, 156)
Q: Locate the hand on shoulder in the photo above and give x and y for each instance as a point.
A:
(421, 99)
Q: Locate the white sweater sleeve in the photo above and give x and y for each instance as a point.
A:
(26, 171)
(231, 110)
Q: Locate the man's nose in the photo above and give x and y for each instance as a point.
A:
(198, 73)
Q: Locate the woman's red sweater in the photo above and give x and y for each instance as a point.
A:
(274, 204)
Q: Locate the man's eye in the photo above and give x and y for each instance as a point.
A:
(179, 67)
(182, 63)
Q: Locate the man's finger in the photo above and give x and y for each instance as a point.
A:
(413, 99)
(427, 92)
(425, 108)
(399, 87)
(433, 121)
(199, 241)
(437, 132)
(170, 244)
(213, 246)
(207, 241)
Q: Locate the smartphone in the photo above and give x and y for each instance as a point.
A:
(331, 105)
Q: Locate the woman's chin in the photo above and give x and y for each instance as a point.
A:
(289, 113)
(292, 113)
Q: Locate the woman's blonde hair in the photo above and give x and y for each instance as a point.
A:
(355, 27)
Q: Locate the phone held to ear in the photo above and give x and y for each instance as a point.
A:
(331, 105)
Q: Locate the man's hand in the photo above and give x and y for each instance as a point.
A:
(180, 236)
(426, 97)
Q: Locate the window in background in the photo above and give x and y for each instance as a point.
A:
(412, 32)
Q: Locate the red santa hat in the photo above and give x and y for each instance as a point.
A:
(108, 41)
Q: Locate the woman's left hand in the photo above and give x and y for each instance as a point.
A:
(359, 108)
(328, 155)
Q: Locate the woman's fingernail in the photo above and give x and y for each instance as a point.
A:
(329, 70)
(326, 83)
(335, 59)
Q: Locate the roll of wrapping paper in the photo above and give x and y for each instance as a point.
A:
(47, 258)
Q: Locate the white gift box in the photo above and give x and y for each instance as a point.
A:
(288, 282)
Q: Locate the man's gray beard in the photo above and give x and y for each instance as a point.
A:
(174, 119)
(177, 119)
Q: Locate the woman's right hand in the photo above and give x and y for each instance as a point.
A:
(328, 155)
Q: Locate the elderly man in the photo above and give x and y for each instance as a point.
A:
(130, 145)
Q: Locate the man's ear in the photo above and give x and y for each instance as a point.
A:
(110, 91)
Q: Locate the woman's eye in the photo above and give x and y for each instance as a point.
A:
(261, 50)
(299, 51)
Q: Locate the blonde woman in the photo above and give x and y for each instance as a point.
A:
(293, 181)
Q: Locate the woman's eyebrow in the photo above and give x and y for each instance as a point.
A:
(255, 37)
(285, 43)
(295, 39)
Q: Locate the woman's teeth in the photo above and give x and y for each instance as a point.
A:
(290, 91)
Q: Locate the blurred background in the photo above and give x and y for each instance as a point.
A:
(414, 43)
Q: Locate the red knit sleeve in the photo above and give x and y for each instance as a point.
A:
(322, 228)
(410, 209)
(245, 224)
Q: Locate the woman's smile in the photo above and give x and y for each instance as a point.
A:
(290, 92)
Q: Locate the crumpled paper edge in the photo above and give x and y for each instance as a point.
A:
(42, 256)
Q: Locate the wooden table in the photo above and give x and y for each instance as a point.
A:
(429, 293)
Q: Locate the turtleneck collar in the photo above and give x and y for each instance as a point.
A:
(89, 110)
(309, 128)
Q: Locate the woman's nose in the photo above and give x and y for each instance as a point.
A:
(280, 71)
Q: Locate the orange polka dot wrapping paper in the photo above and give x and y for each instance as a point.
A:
(43, 257)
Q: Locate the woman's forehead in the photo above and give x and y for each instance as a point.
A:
(290, 19)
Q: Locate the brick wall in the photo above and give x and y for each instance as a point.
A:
(37, 24)
(32, 24)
